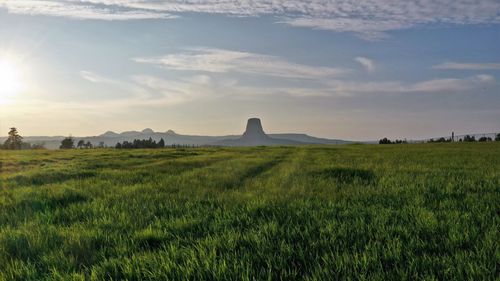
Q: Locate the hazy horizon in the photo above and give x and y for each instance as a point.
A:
(332, 69)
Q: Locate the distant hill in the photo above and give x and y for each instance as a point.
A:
(308, 139)
(170, 137)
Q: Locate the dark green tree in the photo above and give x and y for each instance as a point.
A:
(161, 143)
(385, 141)
(88, 145)
(81, 144)
(497, 138)
(14, 141)
(67, 143)
(468, 138)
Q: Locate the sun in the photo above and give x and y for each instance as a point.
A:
(10, 79)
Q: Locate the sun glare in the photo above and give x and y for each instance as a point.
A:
(10, 79)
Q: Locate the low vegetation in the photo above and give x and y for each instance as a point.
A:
(402, 212)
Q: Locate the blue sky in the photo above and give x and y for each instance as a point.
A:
(339, 69)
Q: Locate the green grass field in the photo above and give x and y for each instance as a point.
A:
(359, 212)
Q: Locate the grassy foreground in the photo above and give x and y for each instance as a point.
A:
(394, 212)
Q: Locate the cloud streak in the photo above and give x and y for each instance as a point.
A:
(467, 66)
(84, 10)
(367, 63)
(436, 86)
(225, 61)
(370, 19)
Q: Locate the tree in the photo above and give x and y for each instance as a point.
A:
(81, 144)
(67, 143)
(161, 143)
(497, 138)
(14, 141)
(118, 145)
(484, 139)
(126, 144)
(88, 145)
(385, 141)
(468, 138)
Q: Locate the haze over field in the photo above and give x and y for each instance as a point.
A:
(333, 69)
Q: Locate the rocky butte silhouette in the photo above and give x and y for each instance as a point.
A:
(254, 131)
(254, 135)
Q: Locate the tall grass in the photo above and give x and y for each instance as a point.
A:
(356, 212)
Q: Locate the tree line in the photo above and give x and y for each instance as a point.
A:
(144, 143)
(149, 143)
(388, 141)
(69, 143)
(466, 138)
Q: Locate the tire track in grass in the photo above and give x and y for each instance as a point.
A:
(168, 176)
(283, 178)
(223, 176)
(86, 166)
(252, 172)
(197, 225)
(155, 173)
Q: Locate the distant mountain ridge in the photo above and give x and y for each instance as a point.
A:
(170, 137)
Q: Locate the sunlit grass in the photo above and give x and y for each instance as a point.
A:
(291, 213)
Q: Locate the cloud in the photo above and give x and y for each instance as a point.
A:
(368, 29)
(217, 64)
(370, 19)
(438, 86)
(225, 61)
(484, 78)
(170, 92)
(94, 78)
(150, 91)
(367, 63)
(79, 10)
(467, 66)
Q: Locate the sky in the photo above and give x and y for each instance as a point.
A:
(347, 69)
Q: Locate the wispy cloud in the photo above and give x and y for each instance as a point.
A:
(80, 10)
(225, 61)
(153, 91)
(367, 63)
(371, 19)
(467, 66)
(438, 86)
(94, 78)
(170, 92)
